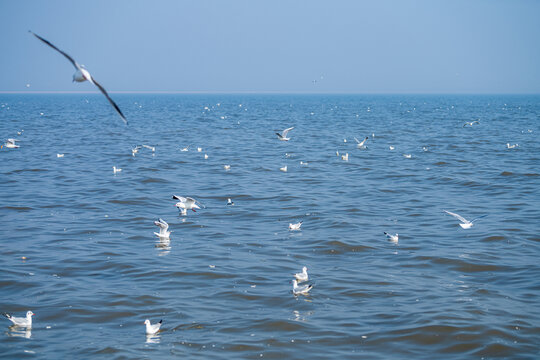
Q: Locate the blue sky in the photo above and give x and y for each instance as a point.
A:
(386, 46)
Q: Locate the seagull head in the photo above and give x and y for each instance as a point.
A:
(29, 313)
(147, 322)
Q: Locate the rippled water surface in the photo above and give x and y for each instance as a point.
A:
(78, 249)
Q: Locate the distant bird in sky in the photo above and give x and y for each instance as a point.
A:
(465, 224)
(21, 321)
(83, 75)
(283, 135)
(360, 144)
(152, 328)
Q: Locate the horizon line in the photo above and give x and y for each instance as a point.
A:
(266, 92)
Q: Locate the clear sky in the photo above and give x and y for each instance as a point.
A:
(383, 46)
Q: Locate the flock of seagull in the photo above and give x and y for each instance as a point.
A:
(184, 204)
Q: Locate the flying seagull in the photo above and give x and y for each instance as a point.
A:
(360, 144)
(283, 135)
(163, 229)
(82, 75)
(465, 224)
(186, 203)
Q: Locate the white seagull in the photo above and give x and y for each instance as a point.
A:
(151, 329)
(360, 144)
(295, 226)
(10, 144)
(163, 227)
(116, 170)
(59, 155)
(408, 156)
(391, 147)
(230, 202)
(392, 238)
(185, 204)
(83, 75)
(302, 289)
(303, 276)
(345, 157)
(135, 150)
(465, 224)
(20, 321)
(283, 135)
(471, 123)
(284, 169)
(508, 146)
(153, 148)
(186, 148)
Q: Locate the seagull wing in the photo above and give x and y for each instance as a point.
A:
(77, 66)
(357, 140)
(459, 217)
(478, 218)
(286, 131)
(180, 198)
(102, 89)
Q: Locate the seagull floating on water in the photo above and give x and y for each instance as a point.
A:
(227, 167)
(283, 135)
(59, 155)
(345, 157)
(20, 321)
(230, 202)
(303, 276)
(391, 147)
(360, 144)
(392, 238)
(465, 224)
(10, 144)
(116, 170)
(302, 289)
(152, 328)
(408, 156)
(295, 226)
(508, 146)
(205, 156)
(284, 169)
(163, 227)
(83, 75)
